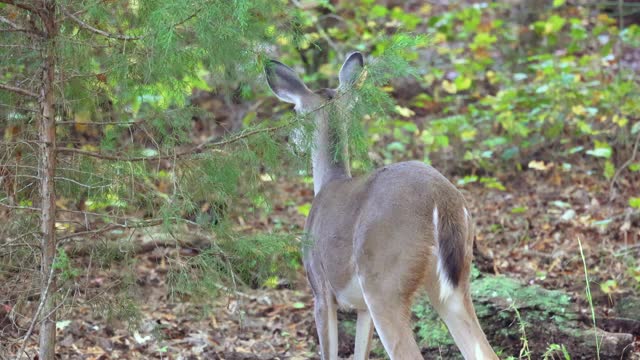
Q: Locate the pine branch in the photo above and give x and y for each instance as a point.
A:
(98, 123)
(136, 225)
(193, 151)
(16, 28)
(22, 5)
(18, 90)
(94, 30)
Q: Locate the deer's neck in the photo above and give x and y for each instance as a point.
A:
(326, 165)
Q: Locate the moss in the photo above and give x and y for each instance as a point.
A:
(494, 296)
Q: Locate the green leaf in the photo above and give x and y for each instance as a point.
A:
(441, 141)
(378, 11)
(608, 286)
(519, 209)
(467, 180)
(634, 202)
(558, 3)
(600, 152)
(576, 149)
(609, 169)
(463, 83)
(560, 204)
(397, 146)
(299, 305)
(602, 223)
(304, 209)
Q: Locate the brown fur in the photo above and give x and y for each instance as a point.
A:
(373, 239)
(451, 243)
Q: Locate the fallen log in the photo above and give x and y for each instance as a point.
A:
(520, 320)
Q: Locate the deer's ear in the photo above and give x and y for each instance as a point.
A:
(351, 68)
(285, 83)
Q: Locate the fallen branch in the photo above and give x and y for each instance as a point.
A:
(138, 225)
(45, 294)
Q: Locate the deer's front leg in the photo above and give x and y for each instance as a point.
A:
(326, 314)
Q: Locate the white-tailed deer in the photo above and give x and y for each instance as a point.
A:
(377, 239)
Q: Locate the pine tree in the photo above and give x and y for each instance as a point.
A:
(120, 73)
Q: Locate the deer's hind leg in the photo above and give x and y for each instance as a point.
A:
(326, 315)
(364, 332)
(388, 288)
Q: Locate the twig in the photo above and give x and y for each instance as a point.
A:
(97, 123)
(142, 224)
(193, 151)
(119, 36)
(21, 5)
(37, 314)
(15, 27)
(18, 90)
(631, 159)
(18, 207)
(94, 30)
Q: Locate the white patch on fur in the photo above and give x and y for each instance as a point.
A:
(446, 288)
(478, 352)
(466, 216)
(455, 305)
(351, 296)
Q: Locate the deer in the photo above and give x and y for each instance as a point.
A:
(376, 240)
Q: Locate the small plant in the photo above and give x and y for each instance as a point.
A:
(589, 298)
(556, 348)
(525, 353)
(65, 266)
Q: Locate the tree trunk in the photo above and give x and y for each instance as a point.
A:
(46, 169)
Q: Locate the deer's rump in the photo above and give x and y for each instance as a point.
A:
(382, 226)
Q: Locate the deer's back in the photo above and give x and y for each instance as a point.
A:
(384, 218)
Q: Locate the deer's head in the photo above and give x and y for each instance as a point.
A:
(287, 86)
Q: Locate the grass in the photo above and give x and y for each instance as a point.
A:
(590, 299)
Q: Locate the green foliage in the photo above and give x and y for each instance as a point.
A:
(249, 260)
(500, 96)
(554, 349)
(64, 265)
(367, 99)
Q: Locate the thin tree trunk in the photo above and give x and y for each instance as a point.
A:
(46, 169)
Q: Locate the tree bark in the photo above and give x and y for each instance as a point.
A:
(46, 170)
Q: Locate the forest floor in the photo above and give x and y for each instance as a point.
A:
(529, 231)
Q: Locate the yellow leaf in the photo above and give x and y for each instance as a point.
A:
(491, 76)
(449, 87)
(404, 111)
(282, 40)
(539, 165)
(620, 121)
(429, 79)
(578, 110)
(425, 9)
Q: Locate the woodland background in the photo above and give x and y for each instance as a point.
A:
(166, 220)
